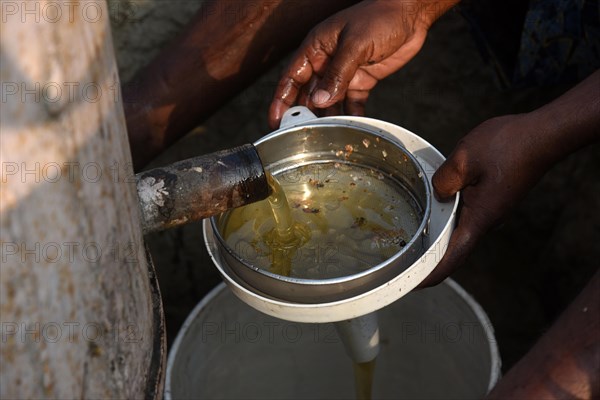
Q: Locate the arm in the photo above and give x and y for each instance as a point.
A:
(565, 362)
(344, 57)
(224, 48)
(497, 163)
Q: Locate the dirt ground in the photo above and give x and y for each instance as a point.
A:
(523, 273)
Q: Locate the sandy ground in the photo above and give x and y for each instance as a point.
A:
(523, 273)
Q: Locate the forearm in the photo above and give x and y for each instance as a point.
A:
(570, 122)
(565, 362)
(224, 48)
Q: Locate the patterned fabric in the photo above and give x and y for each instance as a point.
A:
(560, 42)
(537, 43)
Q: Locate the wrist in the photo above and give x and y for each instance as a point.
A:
(571, 121)
(423, 12)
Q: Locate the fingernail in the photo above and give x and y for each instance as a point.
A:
(320, 96)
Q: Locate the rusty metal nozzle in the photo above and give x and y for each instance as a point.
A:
(200, 187)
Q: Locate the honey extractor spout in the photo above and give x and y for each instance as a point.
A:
(200, 187)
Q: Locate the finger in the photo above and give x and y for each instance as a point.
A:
(356, 101)
(304, 96)
(337, 76)
(305, 91)
(454, 174)
(298, 73)
(461, 244)
(282, 102)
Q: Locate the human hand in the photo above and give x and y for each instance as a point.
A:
(345, 56)
(218, 56)
(493, 167)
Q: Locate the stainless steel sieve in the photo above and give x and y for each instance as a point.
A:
(307, 141)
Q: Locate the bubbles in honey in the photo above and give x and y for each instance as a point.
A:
(324, 220)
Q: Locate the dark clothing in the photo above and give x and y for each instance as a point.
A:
(536, 43)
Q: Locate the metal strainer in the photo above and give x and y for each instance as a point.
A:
(313, 142)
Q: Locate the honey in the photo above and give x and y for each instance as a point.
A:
(363, 379)
(324, 220)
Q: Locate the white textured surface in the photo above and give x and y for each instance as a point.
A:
(76, 307)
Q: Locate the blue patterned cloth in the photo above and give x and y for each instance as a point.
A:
(537, 42)
(560, 42)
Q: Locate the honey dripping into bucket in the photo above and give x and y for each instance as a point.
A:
(320, 218)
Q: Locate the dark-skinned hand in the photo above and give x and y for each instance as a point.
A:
(496, 164)
(344, 57)
(493, 167)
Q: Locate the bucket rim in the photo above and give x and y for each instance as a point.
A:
(495, 360)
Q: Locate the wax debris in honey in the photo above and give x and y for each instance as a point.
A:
(333, 220)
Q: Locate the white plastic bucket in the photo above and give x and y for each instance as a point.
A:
(435, 344)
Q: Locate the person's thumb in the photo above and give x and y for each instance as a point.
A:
(453, 175)
(338, 74)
